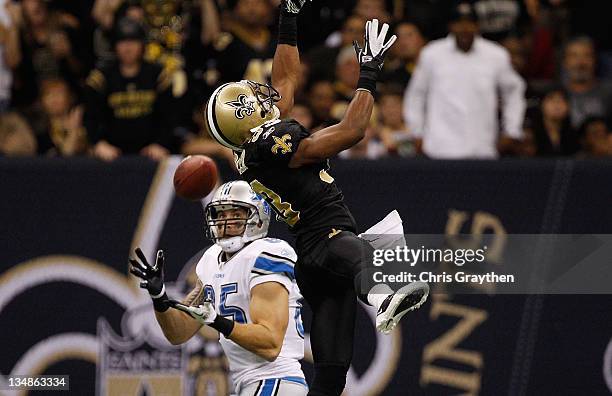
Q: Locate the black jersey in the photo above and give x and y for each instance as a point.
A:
(130, 112)
(306, 198)
(238, 57)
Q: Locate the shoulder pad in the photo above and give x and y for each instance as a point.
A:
(277, 247)
(211, 252)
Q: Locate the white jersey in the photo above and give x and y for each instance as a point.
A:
(228, 285)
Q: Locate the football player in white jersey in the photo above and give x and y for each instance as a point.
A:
(246, 290)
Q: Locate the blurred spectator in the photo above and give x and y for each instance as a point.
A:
(588, 96)
(16, 137)
(105, 13)
(347, 74)
(595, 138)
(45, 50)
(451, 101)
(330, 16)
(587, 17)
(321, 99)
(538, 80)
(301, 113)
(518, 53)
(371, 9)
(322, 59)
(538, 42)
(202, 31)
(366, 10)
(56, 122)
(370, 147)
(551, 129)
(8, 38)
(202, 143)
(303, 78)
(210, 23)
(165, 24)
(431, 15)
(132, 105)
(497, 19)
(405, 51)
(246, 49)
(393, 132)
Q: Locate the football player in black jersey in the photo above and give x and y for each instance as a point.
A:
(288, 166)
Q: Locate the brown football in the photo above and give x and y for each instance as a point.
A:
(195, 177)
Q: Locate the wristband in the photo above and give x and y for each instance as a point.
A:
(367, 80)
(287, 28)
(223, 325)
(160, 294)
(161, 304)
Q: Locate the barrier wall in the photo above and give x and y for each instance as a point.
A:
(67, 305)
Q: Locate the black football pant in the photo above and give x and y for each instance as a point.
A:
(329, 273)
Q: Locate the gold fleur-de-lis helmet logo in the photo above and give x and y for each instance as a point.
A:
(282, 144)
(242, 106)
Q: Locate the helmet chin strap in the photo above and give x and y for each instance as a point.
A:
(231, 244)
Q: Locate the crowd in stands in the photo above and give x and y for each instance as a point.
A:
(469, 79)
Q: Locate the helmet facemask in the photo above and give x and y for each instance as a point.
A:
(266, 97)
(231, 232)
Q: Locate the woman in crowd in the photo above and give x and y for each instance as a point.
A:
(550, 126)
(57, 122)
(392, 131)
(595, 138)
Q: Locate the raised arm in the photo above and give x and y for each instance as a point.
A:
(330, 141)
(286, 63)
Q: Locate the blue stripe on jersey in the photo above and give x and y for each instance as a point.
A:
(268, 265)
(297, 380)
(268, 387)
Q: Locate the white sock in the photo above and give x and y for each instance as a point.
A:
(378, 293)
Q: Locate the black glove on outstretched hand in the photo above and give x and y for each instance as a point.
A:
(152, 278)
(287, 22)
(372, 56)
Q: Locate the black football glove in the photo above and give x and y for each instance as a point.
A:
(372, 55)
(152, 278)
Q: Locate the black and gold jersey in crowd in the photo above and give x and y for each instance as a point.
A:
(306, 198)
(240, 56)
(130, 113)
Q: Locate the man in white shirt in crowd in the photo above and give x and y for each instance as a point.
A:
(451, 103)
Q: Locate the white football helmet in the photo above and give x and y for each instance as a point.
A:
(233, 195)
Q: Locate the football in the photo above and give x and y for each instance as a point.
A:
(195, 177)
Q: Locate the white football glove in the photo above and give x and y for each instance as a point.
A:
(293, 6)
(375, 47)
(204, 313)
